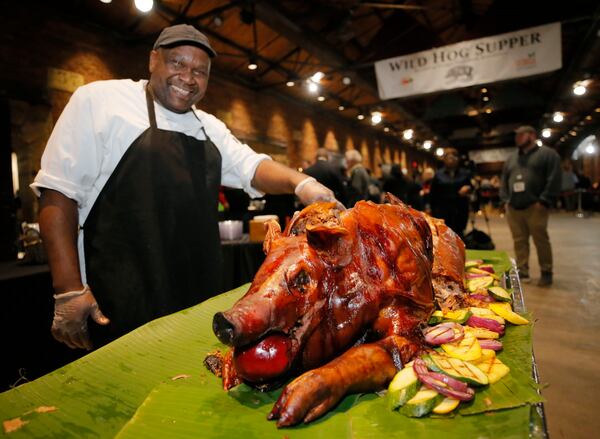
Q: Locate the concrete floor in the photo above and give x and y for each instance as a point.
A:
(566, 338)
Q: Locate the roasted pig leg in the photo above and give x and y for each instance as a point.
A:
(364, 368)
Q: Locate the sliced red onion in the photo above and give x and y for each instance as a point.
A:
(483, 297)
(453, 383)
(476, 275)
(487, 268)
(420, 368)
(441, 383)
(482, 322)
(494, 345)
(448, 332)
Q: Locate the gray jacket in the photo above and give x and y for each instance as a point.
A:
(531, 177)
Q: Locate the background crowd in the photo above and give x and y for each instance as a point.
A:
(453, 192)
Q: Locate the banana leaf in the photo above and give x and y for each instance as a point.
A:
(127, 388)
(499, 260)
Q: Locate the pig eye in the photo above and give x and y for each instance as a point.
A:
(299, 282)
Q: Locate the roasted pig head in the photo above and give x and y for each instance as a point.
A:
(352, 286)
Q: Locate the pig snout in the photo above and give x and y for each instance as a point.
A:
(224, 329)
(243, 324)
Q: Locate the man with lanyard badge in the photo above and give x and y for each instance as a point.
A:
(530, 184)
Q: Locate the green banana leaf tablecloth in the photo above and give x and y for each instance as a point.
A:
(152, 383)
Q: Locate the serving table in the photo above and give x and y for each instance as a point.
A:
(152, 383)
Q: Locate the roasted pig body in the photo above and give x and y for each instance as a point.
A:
(341, 296)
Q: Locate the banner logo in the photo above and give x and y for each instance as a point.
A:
(460, 73)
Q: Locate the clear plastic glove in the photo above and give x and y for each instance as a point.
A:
(310, 191)
(71, 312)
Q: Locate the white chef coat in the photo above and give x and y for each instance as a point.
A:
(102, 119)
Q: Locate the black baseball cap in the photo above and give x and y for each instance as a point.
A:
(525, 129)
(184, 34)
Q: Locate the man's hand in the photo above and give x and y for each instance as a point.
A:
(310, 191)
(464, 191)
(71, 312)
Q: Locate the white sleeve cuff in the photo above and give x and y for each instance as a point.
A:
(44, 180)
(249, 176)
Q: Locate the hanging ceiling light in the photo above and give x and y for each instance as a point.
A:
(386, 129)
(579, 88)
(558, 117)
(346, 80)
(218, 20)
(313, 87)
(590, 149)
(538, 142)
(144, 5)
(427, 144)
(252, 65)
(341, 108)
(106, 1)
(376, 117)
(317, 77)
(408, 134)
(360, 116)
(290, 83)
(321, 98)
(439, 152)
(546, 132)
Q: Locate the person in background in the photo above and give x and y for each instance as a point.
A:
(374, 188)
(583, 186)
(450, 191)
(403, 187)
(328, 175)
(495, 183)
(531, 180)
(426, 179)
(567, 186)
(358, 177)
(129, 188)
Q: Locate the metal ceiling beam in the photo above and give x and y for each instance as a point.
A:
(280, 23)
(216, 11)
(235, 78)
(216, 35)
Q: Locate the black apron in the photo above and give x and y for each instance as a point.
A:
(151, 240)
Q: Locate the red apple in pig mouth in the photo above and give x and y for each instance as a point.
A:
(265, 360)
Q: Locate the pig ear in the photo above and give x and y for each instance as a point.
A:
(273, 233)
(392, 199)
(332, 243)
(315, 213)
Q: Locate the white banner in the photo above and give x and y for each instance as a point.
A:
(490, 155)
(523, 53)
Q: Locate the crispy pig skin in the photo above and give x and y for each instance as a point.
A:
(351, 289)
(448, 268)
